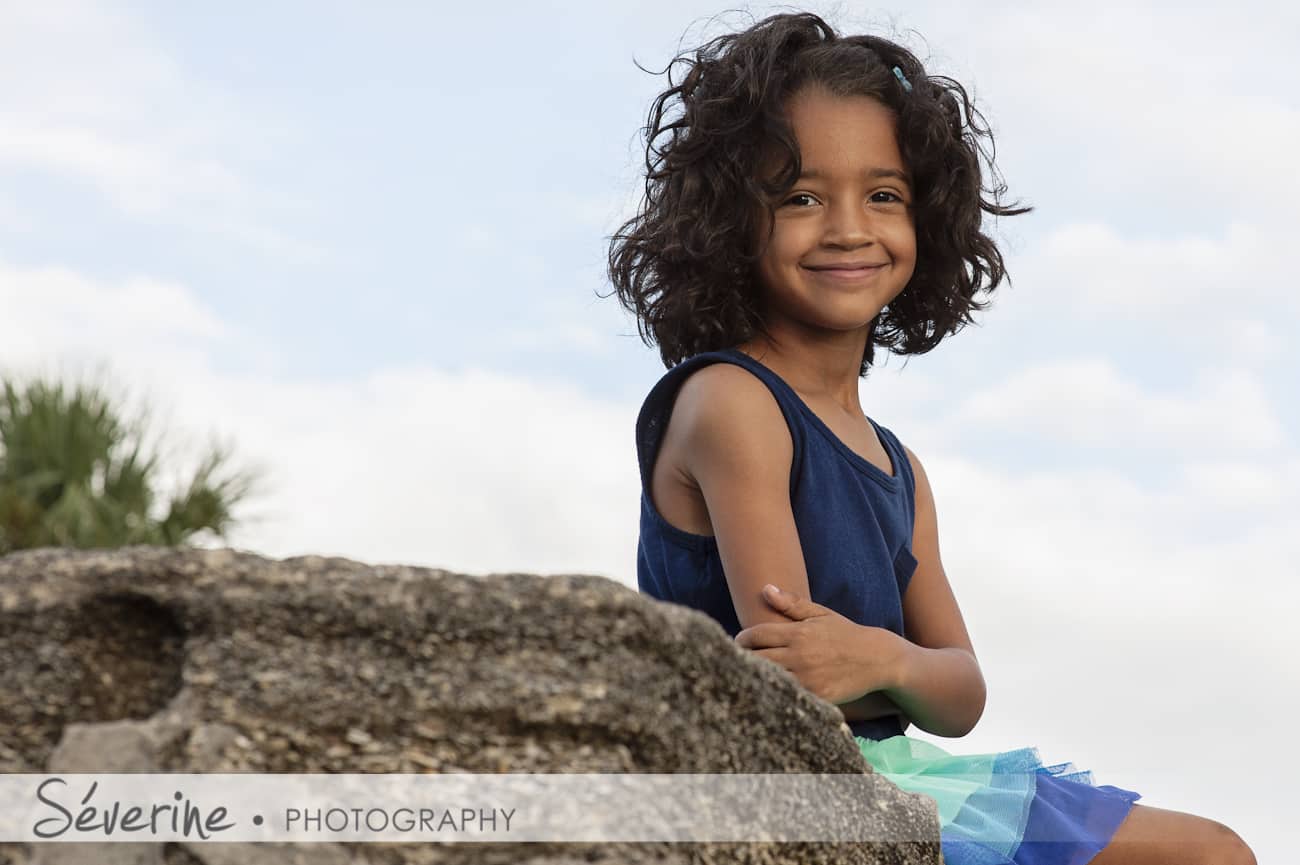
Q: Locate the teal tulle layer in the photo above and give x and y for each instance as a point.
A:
(1004, 807)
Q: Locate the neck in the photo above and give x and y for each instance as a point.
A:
(818, 371)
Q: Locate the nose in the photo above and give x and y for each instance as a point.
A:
(849, 224)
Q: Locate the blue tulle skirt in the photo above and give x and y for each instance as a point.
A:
(1007, 807)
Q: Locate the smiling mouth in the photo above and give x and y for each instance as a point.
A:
(846, 274)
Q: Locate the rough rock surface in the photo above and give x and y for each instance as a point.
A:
(175, 660)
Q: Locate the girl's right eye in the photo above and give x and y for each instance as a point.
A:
(799, 195)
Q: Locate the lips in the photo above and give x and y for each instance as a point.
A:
(847, 273)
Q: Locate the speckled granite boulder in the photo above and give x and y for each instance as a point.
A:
(172, 660)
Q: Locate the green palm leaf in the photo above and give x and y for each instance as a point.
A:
(73, 473)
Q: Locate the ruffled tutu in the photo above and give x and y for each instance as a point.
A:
(1007, 807)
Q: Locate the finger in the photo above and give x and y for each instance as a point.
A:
(777, 655)
(777, 598)
(790, 604)
(768, 635)
(783, 602)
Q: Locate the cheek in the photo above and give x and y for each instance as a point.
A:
(785, 243)
(905, 244)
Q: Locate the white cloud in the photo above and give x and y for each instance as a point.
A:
(1088, 401)
(87, 94)
(1117, 628)
(468, 470)
(1253, 342)
(57, 314)
(1232, 484)
(1193, 107)
(567, 334)
(1096, 532)
(1100, 274)
(140, 177)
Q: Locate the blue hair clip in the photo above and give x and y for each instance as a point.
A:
(902, 79)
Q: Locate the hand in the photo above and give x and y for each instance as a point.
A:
(835, 658)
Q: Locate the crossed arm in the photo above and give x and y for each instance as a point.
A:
(941, 690)
(950, 679)
(872, 706)
(934, 679)
(739, 453)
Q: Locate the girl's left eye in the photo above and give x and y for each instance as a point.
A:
(890, 196)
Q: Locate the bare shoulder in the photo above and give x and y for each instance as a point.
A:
(926, 528)
(725, 411)
(922, 481)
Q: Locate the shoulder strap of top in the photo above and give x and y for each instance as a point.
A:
(657, 408)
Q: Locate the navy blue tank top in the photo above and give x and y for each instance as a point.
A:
(854, 520)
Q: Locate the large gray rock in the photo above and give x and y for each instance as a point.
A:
(174, 660)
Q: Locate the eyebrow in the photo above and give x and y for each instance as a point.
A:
(814, 174)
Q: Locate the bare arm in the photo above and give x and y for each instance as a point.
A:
(869, 707)
(942, 688)
(738, 450)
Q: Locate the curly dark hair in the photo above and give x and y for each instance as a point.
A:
(684, 265)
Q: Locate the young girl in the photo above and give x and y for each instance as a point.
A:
(818, 197)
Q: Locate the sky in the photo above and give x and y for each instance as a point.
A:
(364, 245)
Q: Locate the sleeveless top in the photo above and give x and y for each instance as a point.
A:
(854, 520)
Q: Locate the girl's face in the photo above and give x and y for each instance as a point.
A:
(843, 242)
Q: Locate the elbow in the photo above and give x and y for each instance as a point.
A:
(977, 697)
(977, 704)
(970, 727)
